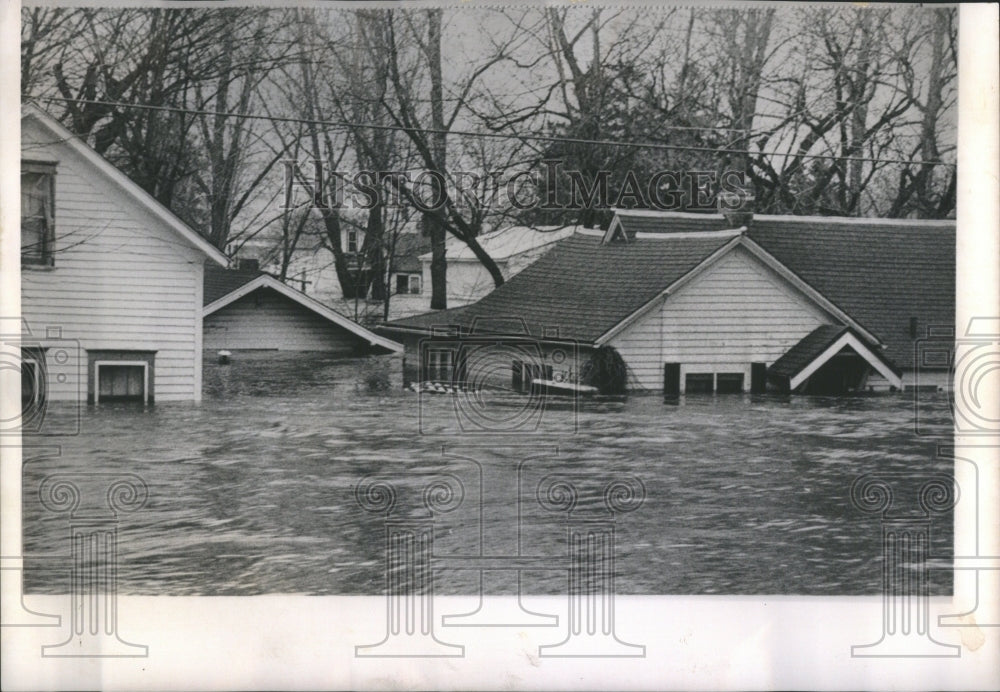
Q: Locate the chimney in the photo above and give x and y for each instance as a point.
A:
(736, 205)
(245, 264)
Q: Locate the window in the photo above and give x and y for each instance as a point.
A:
(729, 383)
(352, 242)
(32, 380)
(699, 383)
(38, 213)
(121, 381)
(407, 283)
(708, 383)
(121, 376)
(439, 365)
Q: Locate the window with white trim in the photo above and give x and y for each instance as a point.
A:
(352, 242)
(407, 284)
(121, 376)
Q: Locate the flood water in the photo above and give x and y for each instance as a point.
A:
(253, 490)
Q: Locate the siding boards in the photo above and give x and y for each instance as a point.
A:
(736, 313)
(265, 319)
(122, 280)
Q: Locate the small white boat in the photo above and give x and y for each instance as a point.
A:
(563, 388)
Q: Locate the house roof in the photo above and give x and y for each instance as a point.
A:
(804, 352)
(642, 221)
(147, 201)
(872, 274)
(821, 344)
(224, 286)
(579, 289)
(882, 273)
(504, 243)
(222, 282)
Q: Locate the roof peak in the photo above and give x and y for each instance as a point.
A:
(787, 218)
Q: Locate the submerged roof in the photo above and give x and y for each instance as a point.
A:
(821, 344)
(882, 273)
(580, 289)
(804, 352)
(875, 274)
(225, 286)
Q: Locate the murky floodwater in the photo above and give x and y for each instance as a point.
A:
(253, 490)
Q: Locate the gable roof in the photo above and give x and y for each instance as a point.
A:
(239, 283)
(811, 345)
(821, 344)
(580, 289)
(881, 272)
(62, 135)
(222, 282)
(873, 274)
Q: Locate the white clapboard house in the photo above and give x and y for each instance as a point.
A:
(111, 280)
(249, 310)
(702, 303)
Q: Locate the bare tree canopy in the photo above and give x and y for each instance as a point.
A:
(823, 110)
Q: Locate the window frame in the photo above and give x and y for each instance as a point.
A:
(110, 357)
(46, 256)
(411, 280)
(34, 360)
(118, 363)
(352, 239)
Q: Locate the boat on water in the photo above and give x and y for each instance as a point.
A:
(554, 387)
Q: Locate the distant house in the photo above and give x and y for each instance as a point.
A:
(111, 281)
(314, 272)
(410, 290)
(513, 248)
(692, 304)
(248, 310)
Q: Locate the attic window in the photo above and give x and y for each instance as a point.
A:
(38, 230)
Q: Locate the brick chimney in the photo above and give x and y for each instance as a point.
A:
(737, 206)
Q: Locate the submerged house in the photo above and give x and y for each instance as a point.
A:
(249, 310)
(111, 280)
(693, 304)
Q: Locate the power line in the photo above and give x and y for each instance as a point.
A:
(345, 125)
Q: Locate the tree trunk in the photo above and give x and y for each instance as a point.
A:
(439, 261)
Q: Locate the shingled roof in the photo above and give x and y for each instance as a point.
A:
(581, 288)
(221, 282)
(881, 273)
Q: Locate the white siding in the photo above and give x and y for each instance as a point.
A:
(468, 281)
(737, 312)
(122, 280)
(266, 319)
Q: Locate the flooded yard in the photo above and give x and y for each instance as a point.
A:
(253, 490)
